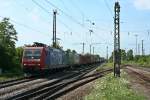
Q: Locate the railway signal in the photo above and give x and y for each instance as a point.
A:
(117, 51)
(83, 46)
(91, 31)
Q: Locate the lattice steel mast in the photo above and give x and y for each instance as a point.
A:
(54, 28)
(117, 51)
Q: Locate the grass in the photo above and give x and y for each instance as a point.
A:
(105, 66)
(137, 64)
(6, 76)
(110, 88)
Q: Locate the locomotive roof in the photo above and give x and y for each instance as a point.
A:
(34, 47)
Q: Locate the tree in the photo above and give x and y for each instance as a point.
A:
(74, 51)
(57, 45)
(130, 55)
(19, 53)
(8, 33)
(111, 57)
(8, 37)
(123, 55)
(68, 51)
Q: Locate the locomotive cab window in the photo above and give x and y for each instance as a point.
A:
(32, 54)
(28, 54)
(36, 54)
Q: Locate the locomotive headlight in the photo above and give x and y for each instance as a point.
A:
(38, 64)
(24, 64)
(37, 60)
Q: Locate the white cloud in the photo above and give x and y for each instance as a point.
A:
(142, 4)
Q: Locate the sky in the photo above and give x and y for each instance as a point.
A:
(33, 22)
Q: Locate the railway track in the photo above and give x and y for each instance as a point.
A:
(144, 75)
(52, 87)
(139, 80)
(69, 86)
(38, 90)
(26, 92)
(14, 82)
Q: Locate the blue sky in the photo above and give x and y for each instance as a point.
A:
(74, 22)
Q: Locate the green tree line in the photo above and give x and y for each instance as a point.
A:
(128, 57)
(10, 56)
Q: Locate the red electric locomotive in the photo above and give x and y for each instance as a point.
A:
(33, 59)
(40, 58)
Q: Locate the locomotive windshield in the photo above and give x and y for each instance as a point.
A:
(32, 54)
(36, 54)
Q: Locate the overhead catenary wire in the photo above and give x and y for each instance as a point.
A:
(65, 25)
(46, 10)
(77, 7)
(85, 17)
(29, 10)
(23, 25)
(74, 20)
(109, 8)
(43, 8)
(64, 5)
(79, 10)
(69, 16)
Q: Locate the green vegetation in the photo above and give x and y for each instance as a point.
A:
(129, 58)
(111, 88)
(57, 45)
(104, 67)
(7, 76)
(142, 61)
(10, 56)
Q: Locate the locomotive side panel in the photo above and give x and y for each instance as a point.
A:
(69, 59)
(76, 59)
(47, 59)
(55, 58)
(85, 59)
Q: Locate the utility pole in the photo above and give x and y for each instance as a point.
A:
(91, 31)
(54, 28)
(93, 44)
(136, 44)
(93, 50)
(90, 52)
(107, 53)
(90, 48)
(142, 47)
(117, 51)
(139, 49)
(93, 54)
(83, 45)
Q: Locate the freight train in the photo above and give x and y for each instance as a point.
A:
(39, 58)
